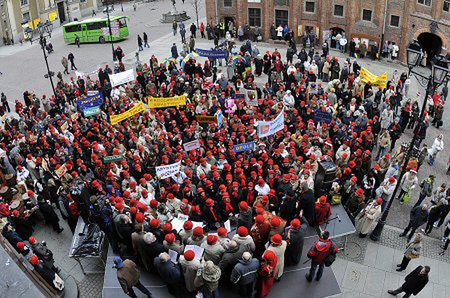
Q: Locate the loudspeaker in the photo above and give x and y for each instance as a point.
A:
(325, 176)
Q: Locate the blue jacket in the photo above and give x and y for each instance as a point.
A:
(169, 272)
(245, 272)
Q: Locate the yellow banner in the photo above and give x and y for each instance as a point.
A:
(164, 102)
(53, 16)
(131, 112)
(366, 76)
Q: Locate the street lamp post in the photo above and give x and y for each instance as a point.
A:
(439, 72)
(45, 31)
(110, 31)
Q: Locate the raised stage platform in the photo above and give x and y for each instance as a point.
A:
(292, 284)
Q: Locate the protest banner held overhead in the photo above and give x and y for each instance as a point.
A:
(164, 102)
(91, 111)
(206, 119)
(90, 101)
(366, 76)
(121, 77)
(244, 147)
(217, 54)
(251, 97)
(192, 145)
(267, 128)
(163, 172)
(131, 112)
(323, 116)
(113, 158)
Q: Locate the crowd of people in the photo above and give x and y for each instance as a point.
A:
(53, 158)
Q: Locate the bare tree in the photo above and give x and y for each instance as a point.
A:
(196, 4)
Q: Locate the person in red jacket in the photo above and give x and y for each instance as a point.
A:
(318, 253)
(267, 273)
(260, 234)
(323, 210)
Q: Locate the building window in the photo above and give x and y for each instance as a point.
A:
(227, 3)
(282, 2)
(367, 15)
(424, 2)
(281, 17)
(447, 5)
(23, 2)
(395, 21)
(310, 6)
(338, 10)
(254, 17)
(26, 17)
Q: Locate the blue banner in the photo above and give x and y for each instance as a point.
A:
(90, 101)
(244, 147)
(212, 53)
(323, 116)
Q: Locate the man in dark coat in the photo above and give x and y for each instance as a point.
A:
(128, 276)
(151, 248)
(414, 282)
(295, 238)
(47, 211)
(169, 272)
(245, 273)
(231, 257)
(245, 217)
(418, 216)
(308, 203)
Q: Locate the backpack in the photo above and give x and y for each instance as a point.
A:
(329, 260)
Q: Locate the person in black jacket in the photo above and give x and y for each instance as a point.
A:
(245, 274)
(307, 203)
(295, 239)
(414, 282)
(418, 217)
(49, 213)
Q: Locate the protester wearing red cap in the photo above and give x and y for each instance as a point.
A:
(278, 246)
(213, 250)
(267, 273)
(260, 234)
(197, 238)
(323, 210)
(190, 266)
(295, 239)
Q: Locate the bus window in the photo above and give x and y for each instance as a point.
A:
(73, 28)
(122, 22)
(96, 25)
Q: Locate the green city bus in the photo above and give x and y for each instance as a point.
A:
(96, 30)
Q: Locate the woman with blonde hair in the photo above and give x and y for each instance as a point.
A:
(413, 250)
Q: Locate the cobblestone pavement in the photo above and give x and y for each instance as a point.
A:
(91, 286)
(356, 247)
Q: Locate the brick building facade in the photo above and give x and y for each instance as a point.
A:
(425, 20)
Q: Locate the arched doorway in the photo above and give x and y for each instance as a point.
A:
(430, 43)
(229, 24)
